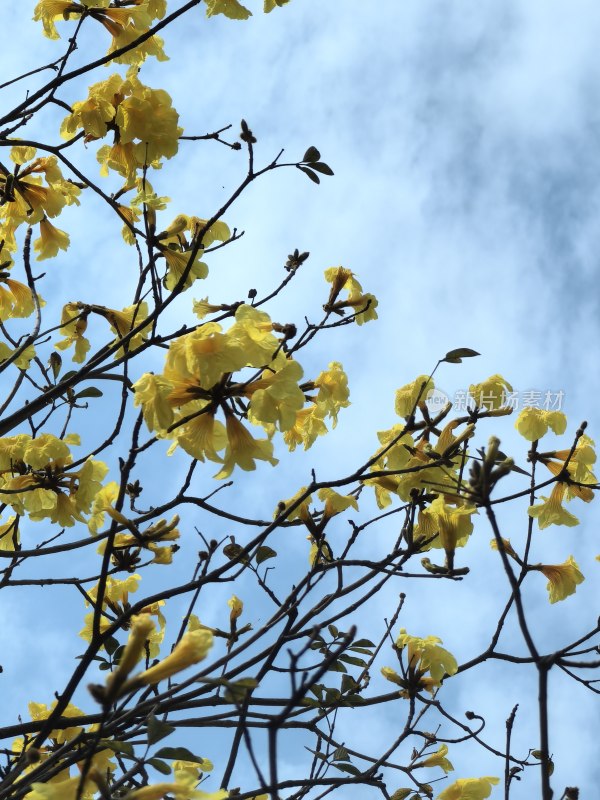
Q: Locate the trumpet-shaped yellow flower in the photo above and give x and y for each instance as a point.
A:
(179, 263)
(122, 322)
(202, 436)
(152, 393)
(437, 759)
(243, 449)
(23, 360)
(533, 423)
(469, 789)
(551, 511)
(16, 299)
(51, 240)
(413, 394)
(300, 512)
(453, 525)
(491, 393)
(192, 648)
(335, 503)
(308, 426)
(40, 711)
(73, 325)
(236, 608)
(426, 655)
(563, 579)
(333, 393)
(276, 397)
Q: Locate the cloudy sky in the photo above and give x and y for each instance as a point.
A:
(463, 137)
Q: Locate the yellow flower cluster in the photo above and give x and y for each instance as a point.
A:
(36, 478)
(125, 24)
(32, 192)
(142, 119)
(198, 382)
(423, 656)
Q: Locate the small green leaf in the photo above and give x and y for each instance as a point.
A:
(91, 391)
(349, 768)
(312, 155)
(341, 754)
(363, 643)
(117, 747)
(357, 662)
(333, 630)
(312, 175)
(159, 766)
(234, 550)
(104, 666)
(320, 166)
(237, 690)
(55, 362)
(111, 644)
(264, 553)
(456, 356)
(178, 754)
(157, 729)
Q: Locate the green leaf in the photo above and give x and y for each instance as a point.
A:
(337, 666)
(312, 155)
(237, 690)
(104, 666)
(362, 643)
(312, 175)
(91, 391)
(159, 766)
(364, 650)
(157, 729)
(357, 662)
(333, 630)
(117, 747)
(349, 768)
(341, 754)
(111, 644)
(234, 550)
(264, 553)
(320, 166)
(178, 754)
(55, 362)
(456, 356)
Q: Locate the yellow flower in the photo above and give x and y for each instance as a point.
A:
(276, 397)
(141, 627)
(551, 511)
(180, 790)
(469, 789)
(320, 551)
(152, 392)
(336, 503)
(308, 426)
(533, 423)
(452, 525)
(73, 324)
(563, 579)
(236, 606)
(178, 263)
(202, 436)
(243, 449)
(427, 656)
(491, 393)
(191, 648)
(333, 394)
(9, 534)
(16, 300)
(437, 759)
(23, 360)
(300, 512)
(122, 322)
(413, 394)
(253, 332)
(51, 240)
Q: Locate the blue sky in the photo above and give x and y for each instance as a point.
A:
(463, 138)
